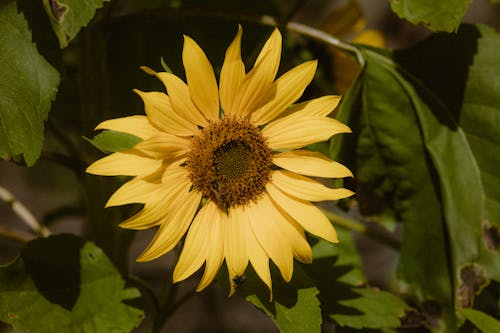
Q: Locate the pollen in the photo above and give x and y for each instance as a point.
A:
(230, 162)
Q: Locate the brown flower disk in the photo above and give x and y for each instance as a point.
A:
(230, 162)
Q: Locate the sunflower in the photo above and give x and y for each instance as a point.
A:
(223, 165)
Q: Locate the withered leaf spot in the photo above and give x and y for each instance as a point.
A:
(490, 236)
(58, 9)
(471, 280)
(412, 319)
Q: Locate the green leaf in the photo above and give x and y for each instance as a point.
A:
(379, 309)
(393, 171)
(28, 84)
(69, 16)
(467, 148)
(436, 15)
(427, 149)
(304, 316)
(330, 287)
(294, 306)
(64, 284)
(482, 321)
(336, 270)
(113, 141)
(165, 66)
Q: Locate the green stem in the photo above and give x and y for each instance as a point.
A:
(345, 222)
(369, 229)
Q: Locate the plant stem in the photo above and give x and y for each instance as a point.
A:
(66, 141)
(168, 308)
(16, 235)
(23, 212)
(369, 229)
(147, 288)
(324, 37)
(74, 164)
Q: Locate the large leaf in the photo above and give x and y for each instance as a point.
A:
(436, 15)
(428, 149)
(466, 152)
(69, 16)
(28, 84)
(392, 170)
(63, 284)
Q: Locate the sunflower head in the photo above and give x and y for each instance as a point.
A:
(230, 162)
(221, 164)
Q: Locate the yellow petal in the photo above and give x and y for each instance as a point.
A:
(288, 88)
(159, 110)
(174, 172)
(216, 236)
(201, 79)
(256, 254)
(257, 82)
(305, 188)
(161, 203)
(288, 133)
(196, 245)
(164, 146)
(294, 234)
(135, 125)
(232, 74)
(318, 107)
(235, 246)
(311, 163)
(306, 214)
(180, 98)
(173, 225)
(137, 190)
(125, 163)
(263, 221)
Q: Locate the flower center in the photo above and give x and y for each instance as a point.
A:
(229, 162)
(233, 160)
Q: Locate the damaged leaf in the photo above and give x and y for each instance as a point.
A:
(69, 16)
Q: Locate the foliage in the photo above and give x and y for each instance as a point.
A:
(69, 16)
(27, 88)
(484, 322)
(64, 284)
(331, 286)
(425, 151)
(437, 15)
(113, 141)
